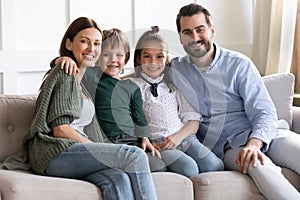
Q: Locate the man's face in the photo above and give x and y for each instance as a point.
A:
(195, 35)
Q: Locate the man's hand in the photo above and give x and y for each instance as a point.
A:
(250, 152)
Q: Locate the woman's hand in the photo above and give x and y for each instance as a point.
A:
(67, 64)
(146, 144)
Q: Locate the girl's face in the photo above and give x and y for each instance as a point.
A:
(153, 59)
(112, 60)
(86, 46)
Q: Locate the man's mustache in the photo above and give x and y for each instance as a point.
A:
(196, 42)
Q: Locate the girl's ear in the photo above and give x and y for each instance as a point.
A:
(167, 60)
(68, 44)
(138, 60)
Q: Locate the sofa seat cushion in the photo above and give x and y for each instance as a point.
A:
(173, 186)
(293, 177)
(225, 185)
(16, 185)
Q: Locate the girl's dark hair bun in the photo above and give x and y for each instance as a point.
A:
(155, 29)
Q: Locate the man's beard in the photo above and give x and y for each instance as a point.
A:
(197, 53)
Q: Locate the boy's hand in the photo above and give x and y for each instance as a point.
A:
(67, 64)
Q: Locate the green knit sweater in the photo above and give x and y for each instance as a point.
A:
(59, 102)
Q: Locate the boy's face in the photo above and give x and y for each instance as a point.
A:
(153, 59)
(112, 60)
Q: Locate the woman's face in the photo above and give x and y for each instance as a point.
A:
(153, 59)
(112, 60)
(86, 46)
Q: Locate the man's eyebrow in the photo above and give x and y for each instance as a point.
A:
(188, 29)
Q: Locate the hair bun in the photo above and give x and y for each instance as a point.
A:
(155, 29)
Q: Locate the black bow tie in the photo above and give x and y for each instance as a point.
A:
(153, 88)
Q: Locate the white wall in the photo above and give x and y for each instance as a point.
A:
(31, 30)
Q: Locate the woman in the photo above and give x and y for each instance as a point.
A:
(64, 139)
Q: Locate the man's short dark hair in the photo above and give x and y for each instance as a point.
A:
(190, 10)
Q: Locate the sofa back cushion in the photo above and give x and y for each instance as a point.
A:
(281, 89)
(16, 113)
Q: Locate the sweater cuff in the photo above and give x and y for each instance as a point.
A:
(61, 120)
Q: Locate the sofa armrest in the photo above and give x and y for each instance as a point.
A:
(296, 119)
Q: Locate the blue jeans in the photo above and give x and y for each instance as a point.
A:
(114, 184)
(206, 160)
(173, 161)
(88, 161)
(190, 158)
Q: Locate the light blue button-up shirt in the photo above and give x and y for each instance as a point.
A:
(231, 97)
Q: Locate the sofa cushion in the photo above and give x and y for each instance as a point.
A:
(24, 185)
(172, 186)
(292, 176)
(281, 90)
(225, 185)
(15, 117)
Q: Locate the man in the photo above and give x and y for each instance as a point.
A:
(239, 119)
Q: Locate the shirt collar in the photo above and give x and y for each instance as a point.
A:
(152, 80)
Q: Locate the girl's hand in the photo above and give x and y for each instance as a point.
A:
(67, 64)
(171, 142)
(146, 144)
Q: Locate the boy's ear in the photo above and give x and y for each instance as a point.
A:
(68, 44)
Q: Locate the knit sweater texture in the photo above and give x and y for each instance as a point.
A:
(59, 102)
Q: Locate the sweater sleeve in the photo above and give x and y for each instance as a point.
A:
(66, 100)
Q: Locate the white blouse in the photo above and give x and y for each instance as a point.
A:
(85, 118)
(168, 112)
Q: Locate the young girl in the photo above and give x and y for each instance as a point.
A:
(171, 120)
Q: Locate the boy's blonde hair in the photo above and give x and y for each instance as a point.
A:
(114, 38)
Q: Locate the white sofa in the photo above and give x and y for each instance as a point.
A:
(16, 114)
